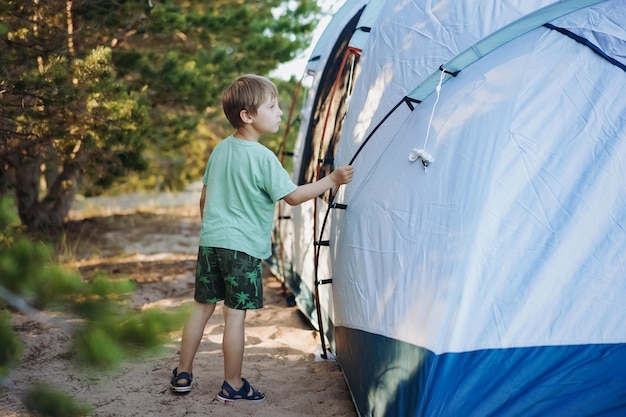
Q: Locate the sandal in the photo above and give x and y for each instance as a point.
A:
(246, 392)
(177, 386)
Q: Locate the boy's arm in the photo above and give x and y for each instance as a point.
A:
(202, 197)
(339, 176)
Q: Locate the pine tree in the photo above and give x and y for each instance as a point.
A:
(91, 91)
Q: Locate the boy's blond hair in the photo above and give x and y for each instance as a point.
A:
(247, 92)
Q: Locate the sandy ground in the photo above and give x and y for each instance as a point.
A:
(157, 249)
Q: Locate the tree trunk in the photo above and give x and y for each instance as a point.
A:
(5, 181)
(27, 191)
(50, 213)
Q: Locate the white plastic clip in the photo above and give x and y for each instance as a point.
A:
(421, 154)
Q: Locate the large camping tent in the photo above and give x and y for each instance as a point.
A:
(476, 265)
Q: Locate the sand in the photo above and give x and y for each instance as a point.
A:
(157, 249)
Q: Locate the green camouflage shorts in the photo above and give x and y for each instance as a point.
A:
(229, 275)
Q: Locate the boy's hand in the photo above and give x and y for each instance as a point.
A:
(343, 174)
(305, 192)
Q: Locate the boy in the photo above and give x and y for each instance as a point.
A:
(242, 183)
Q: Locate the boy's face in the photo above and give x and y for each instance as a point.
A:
(268, 116)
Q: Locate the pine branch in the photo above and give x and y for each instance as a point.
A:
(22, 306)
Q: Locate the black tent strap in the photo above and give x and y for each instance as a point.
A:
(288, 153)
(587, 43)
(325, 281)
(339, 206)
(406, 100)
(322, 243)
(326, 161)
(411, 102)
(284, 217)
(453, 73)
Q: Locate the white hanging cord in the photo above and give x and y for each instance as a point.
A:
(432, 114)
(416, 154)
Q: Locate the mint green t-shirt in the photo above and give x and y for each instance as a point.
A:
(244, 180)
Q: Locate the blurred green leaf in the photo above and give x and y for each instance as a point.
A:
(10, 347)
(47, 400)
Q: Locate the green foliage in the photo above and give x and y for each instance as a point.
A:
(112, 338)
(46, 400)
(8, 218)
(104, 329)
(117, 122)
(10, 348)
(25, 269)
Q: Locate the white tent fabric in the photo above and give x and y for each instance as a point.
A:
(491, 282)
(481, 220)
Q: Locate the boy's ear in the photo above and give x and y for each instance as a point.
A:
(245, 116)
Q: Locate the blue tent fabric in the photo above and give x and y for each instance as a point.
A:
(513, 382)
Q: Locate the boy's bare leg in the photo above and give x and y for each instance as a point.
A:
(233, 345)
(192, 335)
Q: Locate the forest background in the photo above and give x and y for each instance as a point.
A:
(111, 97)
(101, 95)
